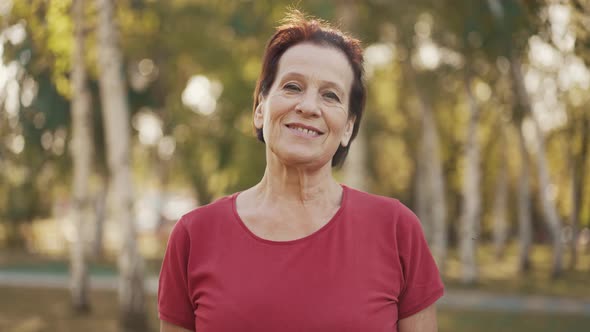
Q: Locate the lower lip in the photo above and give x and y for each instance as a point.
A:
(302, 134)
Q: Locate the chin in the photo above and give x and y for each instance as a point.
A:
(314, 161)
(293, 155)
(296, 157)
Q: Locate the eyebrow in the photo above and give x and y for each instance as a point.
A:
(326, 83)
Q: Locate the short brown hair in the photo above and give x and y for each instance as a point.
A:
(296, 29)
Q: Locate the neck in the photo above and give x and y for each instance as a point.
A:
(298, 184)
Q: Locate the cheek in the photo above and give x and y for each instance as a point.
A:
(271, 125)
(339, 121)
(277, 108)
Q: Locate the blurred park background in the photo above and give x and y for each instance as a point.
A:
(117, 117)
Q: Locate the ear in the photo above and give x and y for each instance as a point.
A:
(259, 113)
(347, 132)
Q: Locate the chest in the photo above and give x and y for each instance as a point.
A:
(285, 224)
(342, 283)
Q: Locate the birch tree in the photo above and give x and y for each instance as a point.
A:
(463, 21)
(431, 184)
(520, 103)
(431, 161)
(578, 155)
(500, 225)
(113, 93)
(471, 209)
(549, 209)
(430, 189)
(525, 235)
(82, 151)
(579, 123)
(355, 167)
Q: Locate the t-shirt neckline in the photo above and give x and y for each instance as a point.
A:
(325, 227)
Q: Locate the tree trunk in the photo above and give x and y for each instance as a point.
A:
(501, 199)
(423, 194)
(431, 189)
(525, 236)
(113, 92)
(578, 179)
(163, 177)
(550, 211)
(524, 200)
(438, 208)
(355, 167)
(470, 213)
(100, 215)
(522, 107)
(81, 150)
(575, 190)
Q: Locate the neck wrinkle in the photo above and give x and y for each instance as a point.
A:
(298, 185)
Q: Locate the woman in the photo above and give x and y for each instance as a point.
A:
(298, 251)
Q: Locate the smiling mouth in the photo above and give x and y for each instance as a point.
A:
(304, 131)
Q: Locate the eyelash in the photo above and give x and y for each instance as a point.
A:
(292, 87)
(332, 95)
(295, 87)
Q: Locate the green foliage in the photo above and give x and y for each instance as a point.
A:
(224, 40)
(60, 43)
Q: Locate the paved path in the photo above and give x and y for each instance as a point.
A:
(455, 299)
(479, 300)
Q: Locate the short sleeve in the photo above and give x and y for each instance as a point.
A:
(174, 302)
(422, 284)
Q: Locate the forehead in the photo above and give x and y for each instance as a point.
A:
(312, 61)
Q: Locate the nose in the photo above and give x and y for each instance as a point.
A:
(308, 105)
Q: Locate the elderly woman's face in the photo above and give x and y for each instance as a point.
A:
(304, 116)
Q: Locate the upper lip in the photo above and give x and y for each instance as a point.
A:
(304, 126)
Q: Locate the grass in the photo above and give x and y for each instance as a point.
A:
(502, 276)
(15, 260)
(47, 310)
(462, 320)
(40, 310)
(499, 277)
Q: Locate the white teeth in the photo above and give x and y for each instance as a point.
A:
(307, 131)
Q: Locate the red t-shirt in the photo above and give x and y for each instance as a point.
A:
(368, 267)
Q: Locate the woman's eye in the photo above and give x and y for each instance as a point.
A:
(332, 96)
(292, 87)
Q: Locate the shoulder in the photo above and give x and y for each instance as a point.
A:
(201, 229)
(389, 209)
(372, 202)
(358, 199)
(204, 216)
